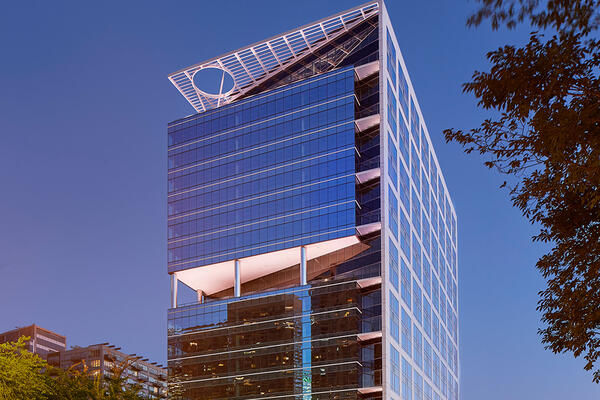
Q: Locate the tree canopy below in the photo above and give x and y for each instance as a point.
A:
(21, 373)
(25, 376)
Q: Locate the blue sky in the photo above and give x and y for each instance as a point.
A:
(84, 105)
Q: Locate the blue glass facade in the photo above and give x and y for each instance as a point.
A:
(425, 241)
(311, 217)
(264, 174)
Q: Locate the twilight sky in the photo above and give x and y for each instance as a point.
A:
(84, 103)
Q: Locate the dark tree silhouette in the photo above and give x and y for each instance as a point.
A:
(544, 98)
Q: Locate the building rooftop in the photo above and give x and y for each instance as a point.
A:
(252, 65)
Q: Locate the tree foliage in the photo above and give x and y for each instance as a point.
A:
(25, 376)
(116, 387)
(73, 384)
(21, 374)
(545, 133)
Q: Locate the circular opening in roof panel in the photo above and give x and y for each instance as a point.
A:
(213, 81)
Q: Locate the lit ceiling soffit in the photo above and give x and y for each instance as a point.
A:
(252, 65)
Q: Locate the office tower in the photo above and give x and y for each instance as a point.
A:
(41, 341)
(308, 216)
(102, 358)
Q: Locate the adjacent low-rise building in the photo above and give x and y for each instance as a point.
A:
(41, 341)
(102, 358)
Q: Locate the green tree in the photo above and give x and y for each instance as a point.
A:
(25, 376)
(72, 384)
(116, 387)
(545, 134)
(22, 373)
(77, 383)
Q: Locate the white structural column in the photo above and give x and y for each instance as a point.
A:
(302, 265)
(174, 282)
(200, 294)
(237, 284)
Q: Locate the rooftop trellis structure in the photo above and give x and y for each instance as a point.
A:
(254, 64)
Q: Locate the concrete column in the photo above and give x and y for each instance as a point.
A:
(200, 294)
(237, 284)
(302, 265)
(174, 282)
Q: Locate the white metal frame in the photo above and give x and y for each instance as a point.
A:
(252, 65)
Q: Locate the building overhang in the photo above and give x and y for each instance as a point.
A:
(366, 70)
(214, 278)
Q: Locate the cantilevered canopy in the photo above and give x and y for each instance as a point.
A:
(217, 277)
(252, 65)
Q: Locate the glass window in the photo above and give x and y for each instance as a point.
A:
(404, 188)
(426, 276)
(426, 316)
(392, 110)
(404, 238)
(418, 386)
(392, 161)
(391, 58)
(427, 358)
(406, 334)
(415, 123)
(435, 330)
(393, 264)
(403, 91)
(405, 282)
(417, 301)
(393, 212)
(417, 346)
(395, 370)
(416, 253)
(436, 369)
(394, 318)
(406, 380)
(427, 391)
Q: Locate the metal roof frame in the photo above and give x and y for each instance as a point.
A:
(254, 64)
